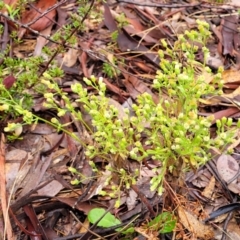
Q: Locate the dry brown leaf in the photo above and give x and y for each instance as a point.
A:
(208, 191)
(32, 14)
(230, 76)
(136, 87)
(194, 226)
(224, 113)
(125, 41)
(84, 226)
(35, 175)
(233, 230)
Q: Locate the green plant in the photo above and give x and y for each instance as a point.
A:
(110, 69)
(108, 220)
(122, 20)
(12, 11)
(163, 223)
(169, 131)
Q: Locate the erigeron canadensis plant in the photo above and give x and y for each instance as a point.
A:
(175, 135)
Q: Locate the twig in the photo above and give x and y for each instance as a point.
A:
(144, 200)
(159, 4)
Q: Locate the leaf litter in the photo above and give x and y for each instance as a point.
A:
(42, 202)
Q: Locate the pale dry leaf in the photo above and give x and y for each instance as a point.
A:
(144, 186)
(42, 129)
(215, 61)
(194, 226)
(100, 184)
(71, 56)
(227, 167)
(191, 22)
(35, 174)
(11, 170)
(208, 191)
(128, 105)
(202, 178)
(236, 142)
(120, 108)
(234, 187)
(131, 199)
(51, 189)
(212, 101)
(234, 3)
(41, 41)
(14, 159)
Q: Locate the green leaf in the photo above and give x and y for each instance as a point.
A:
(163, 223)
(107, 221)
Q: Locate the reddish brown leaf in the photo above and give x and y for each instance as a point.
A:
(125, 41)
(82, 206)
(34, 12)
(33, 223)
(225, 113)
(9, 81)
(136, 87)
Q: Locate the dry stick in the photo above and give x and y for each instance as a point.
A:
(159, 4)
(225, 225)
(64, 41)
(3, 193)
